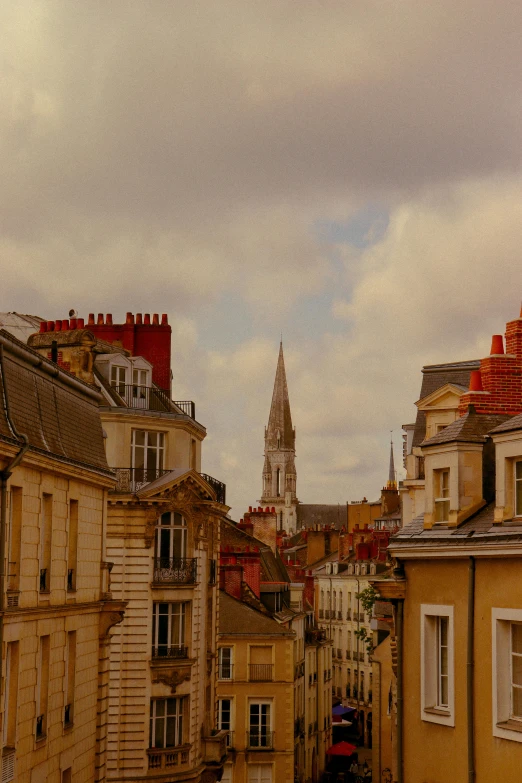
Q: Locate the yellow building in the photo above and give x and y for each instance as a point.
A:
(56, 607)
(162, 542)
(255, 694)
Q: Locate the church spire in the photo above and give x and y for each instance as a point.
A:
(392, 483)
(280, 433)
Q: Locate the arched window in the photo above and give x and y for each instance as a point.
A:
(278, 482)
(171, 536)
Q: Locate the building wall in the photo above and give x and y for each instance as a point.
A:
(383, 721)
(54, 614)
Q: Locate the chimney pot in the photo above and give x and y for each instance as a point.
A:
(91, 319)
(108, 319)
(139, 319)
(43, 326)
(250, 509)
(273, 509)
(73, 323)
(81, 323)
(259, 508)
(475, 381)
(267, 510)
(164, 320)
(497, 345)
(146, 319)
(65, 325)
(155, 319)
(50, 326)
(129, 319)
(57, 326)
(100, 319)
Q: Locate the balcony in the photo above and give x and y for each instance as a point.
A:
(260, 740)
(317, 635)
(163, 651)
(261, 672)
(166, 758)
(134, 479)
(175, 570)
(215, 747)
(150, 398)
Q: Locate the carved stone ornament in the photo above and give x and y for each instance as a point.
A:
(111, 616)
(182, 497)
(172, 678)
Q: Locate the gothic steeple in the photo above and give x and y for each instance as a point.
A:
(279, 476)
(392, 482)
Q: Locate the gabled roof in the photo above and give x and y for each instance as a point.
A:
(470, 428)
(238, 618)
(449, 389)
(174, 478)
(433, 377)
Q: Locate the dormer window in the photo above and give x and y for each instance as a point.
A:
(518, 489)
(441, 493)
(118, 378)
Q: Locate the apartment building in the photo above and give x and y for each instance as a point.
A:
(162, 538)
(56, 605)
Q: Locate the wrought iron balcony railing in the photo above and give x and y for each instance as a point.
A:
(167, 651)
(134, 479)
(261, 672)
(151, 398)
(260, 740)
(175, 570)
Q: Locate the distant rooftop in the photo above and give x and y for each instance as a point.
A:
(20, 326)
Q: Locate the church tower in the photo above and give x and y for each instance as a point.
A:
(279, 476)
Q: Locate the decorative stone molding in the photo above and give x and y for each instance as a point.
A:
(172, 677)
(112, 613)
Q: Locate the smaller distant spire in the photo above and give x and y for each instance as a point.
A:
(392, 483)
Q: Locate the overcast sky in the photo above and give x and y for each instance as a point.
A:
(346, 172)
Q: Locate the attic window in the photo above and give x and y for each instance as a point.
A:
(441, 493)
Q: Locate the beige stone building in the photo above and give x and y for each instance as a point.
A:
(163, 541)
(56, 607)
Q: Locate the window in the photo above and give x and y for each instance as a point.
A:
(225, 719)
(259, 773)
(45, 543)
(507, 673)
(166, 723)
(147, 452)
(168, 630)
(72, 545)
(260, 726)
(441, 492)
(437, 672)
(70, 674)
(42, 688)
(10, 695)
(118, 378)
(518, 489)
(171, 537)
(225, 663)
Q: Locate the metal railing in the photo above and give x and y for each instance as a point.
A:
(167, 651)
(260, 739)
(151, 398)
(261, 672)
(218, 486)
(175, 570)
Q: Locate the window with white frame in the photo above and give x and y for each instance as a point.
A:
(118, 378)
(518, 488)
(147, 453)
(507, 673)
(168, 630)
(437, 664)
(442, 495)
(260, 724)
(171, 537)
(225, 663)
(166, 723)
(259, 773)
(225, 719)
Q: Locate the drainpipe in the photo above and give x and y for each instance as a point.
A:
(4, 478)
(470, 670)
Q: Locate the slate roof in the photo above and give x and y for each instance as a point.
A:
(513, 423)
(272, 567)
(237, 618)
(433, 377)
(57, 411)
(470, 428)
(310, 514)
(478, 530)
(20, 325)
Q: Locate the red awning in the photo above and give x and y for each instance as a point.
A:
(341, 749)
